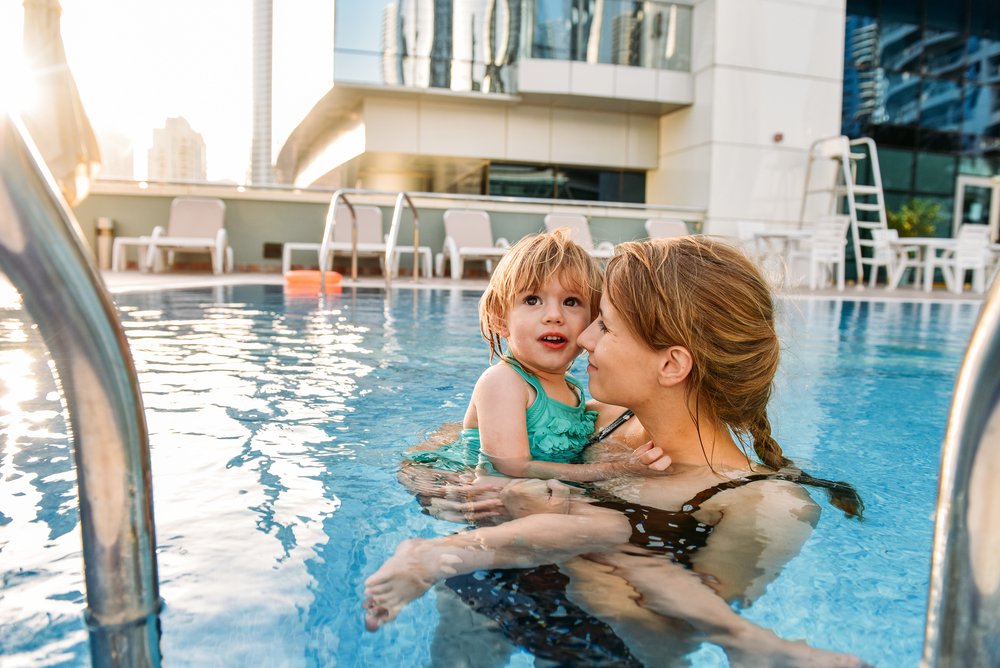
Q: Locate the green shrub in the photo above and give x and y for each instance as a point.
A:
(916, 218)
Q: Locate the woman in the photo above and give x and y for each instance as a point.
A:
(686, 340)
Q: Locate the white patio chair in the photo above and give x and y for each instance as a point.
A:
(468, 237)
(827, 250)
(892, 253)
(971, 253)
(579, 231)
(665, 228)
(371, 242)
(195, 225)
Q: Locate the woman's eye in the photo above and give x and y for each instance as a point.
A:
(600, 326)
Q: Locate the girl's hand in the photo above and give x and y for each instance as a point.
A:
(649, 459)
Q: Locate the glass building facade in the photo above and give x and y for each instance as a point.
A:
(922, 78)
(473, 45)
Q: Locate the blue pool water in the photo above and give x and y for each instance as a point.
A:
(276, 427)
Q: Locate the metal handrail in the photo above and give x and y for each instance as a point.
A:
(390, 245)
(963, 607)
(324, 247)
(43, 253)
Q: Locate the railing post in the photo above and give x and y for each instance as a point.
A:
(42, 251)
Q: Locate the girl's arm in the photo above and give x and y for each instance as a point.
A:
(500, 400)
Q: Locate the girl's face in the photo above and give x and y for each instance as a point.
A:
(542, 326)
(622, 369)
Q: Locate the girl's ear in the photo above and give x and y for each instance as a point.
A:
(675, 365)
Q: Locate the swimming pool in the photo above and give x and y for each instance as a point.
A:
(275, 429)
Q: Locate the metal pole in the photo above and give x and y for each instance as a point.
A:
(963, 608)
(42, 252)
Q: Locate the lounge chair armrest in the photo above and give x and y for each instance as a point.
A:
(502, 243)
(606, 246)
(158, 232)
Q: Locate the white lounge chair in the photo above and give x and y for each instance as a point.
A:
(195, 225)
(665, 228)
(468, 237)
(371, 241)
(579, 231)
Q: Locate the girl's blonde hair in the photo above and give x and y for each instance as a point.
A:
(529, 264)
(708, 297)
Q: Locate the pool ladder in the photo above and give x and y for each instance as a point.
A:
(391, 239)
(44, 254)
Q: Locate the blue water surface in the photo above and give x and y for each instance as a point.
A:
(276, 424)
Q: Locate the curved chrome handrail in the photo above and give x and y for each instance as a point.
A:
(331, 220)
(390, 246)
(963, 608)
(42, 252)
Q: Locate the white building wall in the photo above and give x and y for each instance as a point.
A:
(767, 82)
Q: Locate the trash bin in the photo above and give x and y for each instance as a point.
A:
(105, 236)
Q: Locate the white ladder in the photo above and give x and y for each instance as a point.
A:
(865, 203)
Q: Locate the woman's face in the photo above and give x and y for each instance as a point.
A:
(622, 370)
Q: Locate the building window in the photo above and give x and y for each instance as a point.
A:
(923, 80)
(571, 183)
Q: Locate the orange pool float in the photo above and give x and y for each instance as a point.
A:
(307, 282)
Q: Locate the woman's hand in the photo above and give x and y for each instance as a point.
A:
(533, 496)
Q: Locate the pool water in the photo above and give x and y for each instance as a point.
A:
(276, 425)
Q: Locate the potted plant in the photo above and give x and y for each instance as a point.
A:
(916, 218)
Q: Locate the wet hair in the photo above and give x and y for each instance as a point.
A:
(529, 264)
(708, 297)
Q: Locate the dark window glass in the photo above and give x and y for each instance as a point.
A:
(899, 11)
(582, 184)
(896, 167)
(944, 54)
(932, 140)
(900, 100)
(521, 180)
(985, 18)
(633, 187)
(941, 105)
(936, 173)
(947, 15)
(900, 46)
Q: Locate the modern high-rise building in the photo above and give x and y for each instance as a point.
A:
(705, 103)
(177, 154)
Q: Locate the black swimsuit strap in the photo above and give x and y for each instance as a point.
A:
(604, 433)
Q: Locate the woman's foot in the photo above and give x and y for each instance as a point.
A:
(407, 575)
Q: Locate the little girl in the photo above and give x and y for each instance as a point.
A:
(528, 417)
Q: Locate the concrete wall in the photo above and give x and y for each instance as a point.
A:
(258, 217)
(767, 83)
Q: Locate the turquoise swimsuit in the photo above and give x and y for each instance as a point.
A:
(556, 432)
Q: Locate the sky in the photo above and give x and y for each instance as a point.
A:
(137, 62)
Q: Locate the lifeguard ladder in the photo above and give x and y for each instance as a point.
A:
(864, 204)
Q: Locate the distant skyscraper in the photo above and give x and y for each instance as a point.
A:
(117, 156)
(178, 153)
(261, 171)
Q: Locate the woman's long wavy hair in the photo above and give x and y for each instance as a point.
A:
(708, 297)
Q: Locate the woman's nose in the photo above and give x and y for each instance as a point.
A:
(586, 340)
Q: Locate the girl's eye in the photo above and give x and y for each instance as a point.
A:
(531, 300)
(572, 301)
